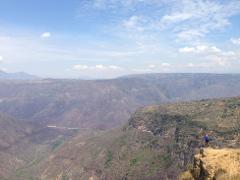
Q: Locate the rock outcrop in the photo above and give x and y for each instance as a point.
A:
(219, 164)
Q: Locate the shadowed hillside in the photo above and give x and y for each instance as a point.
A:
(159, 142)
(106, 103)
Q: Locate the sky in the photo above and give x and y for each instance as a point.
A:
(111, 38)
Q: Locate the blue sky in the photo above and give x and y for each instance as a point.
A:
(110, 38)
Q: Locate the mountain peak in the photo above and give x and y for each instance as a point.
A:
(16, 76)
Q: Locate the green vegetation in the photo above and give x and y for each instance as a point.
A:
(64, 177)
(133, 161)
(57, 143)
(165, 160)
(233, 103)
(109, 158)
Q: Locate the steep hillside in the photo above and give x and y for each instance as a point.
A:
(106, 103)
(23, 144)
(158, 143)
(12, 131)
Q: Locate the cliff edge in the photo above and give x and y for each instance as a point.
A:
(219, 164)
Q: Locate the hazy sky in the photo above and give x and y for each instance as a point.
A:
(108, 38)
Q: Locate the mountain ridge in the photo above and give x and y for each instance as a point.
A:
(106, 103)
(16, 76)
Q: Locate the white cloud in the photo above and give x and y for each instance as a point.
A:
(99, 67)
(219, 61)
(190, 65)
(202, 65)
(46, 35)
(165, 65)
(118, 4)
(187, 20)
(115, 67)
(200, 49)
(99, 71)
(152, 66)
(134, 23)
(1, 59)
(186, 50)
(4, 69)
(235, 41)
(215, 49)
(190, 34)
(174, 18)
(162, 65)
(210, 57)
(80, 67)
(194, 19)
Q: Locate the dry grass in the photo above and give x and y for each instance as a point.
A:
(186, 176)
(222, 163)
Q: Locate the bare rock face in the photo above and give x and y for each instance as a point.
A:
(219, 164)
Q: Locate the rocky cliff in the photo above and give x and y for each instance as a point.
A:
(219, 164)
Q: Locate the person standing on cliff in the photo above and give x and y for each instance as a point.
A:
(206, 139)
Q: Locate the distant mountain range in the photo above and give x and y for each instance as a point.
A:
(106, 103)
(17, 76)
